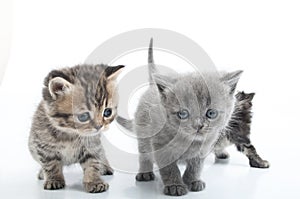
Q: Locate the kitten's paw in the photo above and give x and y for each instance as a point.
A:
(175, 190)
(95, 187)
(198, 185)
(41, 175)
(54, 184)
(223, 155)
(108, 171)
(149, 176)
(263, 164)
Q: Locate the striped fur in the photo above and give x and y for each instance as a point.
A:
(237, 132)
(57, 136)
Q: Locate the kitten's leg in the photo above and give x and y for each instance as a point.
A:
(222, 154)
(53, 175)
(91, 179)
(41, 174)
(172, 180)
(254, 159)
(220, 151)
(191, 176)
(145, 161)
(106, 168)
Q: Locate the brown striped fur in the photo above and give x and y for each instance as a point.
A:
(57, 136)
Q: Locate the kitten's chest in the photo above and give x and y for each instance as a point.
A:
(70, 153)
(200, 148)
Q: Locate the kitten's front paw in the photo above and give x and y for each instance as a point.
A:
(175, 190)
(149, 176)
(196, 185)
(263, 164)
(108, 171)
(54, 184)
(95, 187)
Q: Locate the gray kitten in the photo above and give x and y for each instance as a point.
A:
(78, 103)
(178, 119)
(237, 132)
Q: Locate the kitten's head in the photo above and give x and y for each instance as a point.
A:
(244, 100)
(198, 105)
(81, 99)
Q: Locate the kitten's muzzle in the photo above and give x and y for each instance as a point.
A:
(199, 128)
(98, 127)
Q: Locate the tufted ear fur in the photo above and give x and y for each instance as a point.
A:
(112, 72)
(58, 87)
(231, 79)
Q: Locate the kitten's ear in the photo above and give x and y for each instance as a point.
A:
(59, 86)
(163, 83)
(231, 79)
(112, 72)
(250, 96)
(244, 96)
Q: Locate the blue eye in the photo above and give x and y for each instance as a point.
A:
(83, 117)
(212, 113)
(107, 112)
(183, 114)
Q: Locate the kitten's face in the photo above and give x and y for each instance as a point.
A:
(84, 106)
(244, 100)
(197, 107)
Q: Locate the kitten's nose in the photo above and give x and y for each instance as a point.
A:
(200, 127)
(98, 127)
(198, 124)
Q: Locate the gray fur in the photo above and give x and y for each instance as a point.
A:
(57, 138)
(237, 132)
(164, 139)
(151, 64)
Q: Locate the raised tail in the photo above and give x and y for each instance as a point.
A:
(127, 124)
(151, 65)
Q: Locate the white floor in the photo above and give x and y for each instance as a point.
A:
(233, 180)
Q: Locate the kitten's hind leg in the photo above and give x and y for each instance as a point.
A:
(106, 169)
(41, 174)
(222, 154)
(254, 159)
(145, 161)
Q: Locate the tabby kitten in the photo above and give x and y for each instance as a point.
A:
(78, 103)
(237, 132)
(178, 119)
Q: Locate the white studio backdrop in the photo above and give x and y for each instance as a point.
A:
(259, 37)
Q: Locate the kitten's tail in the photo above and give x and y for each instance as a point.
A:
(151, 65)
(127, 124)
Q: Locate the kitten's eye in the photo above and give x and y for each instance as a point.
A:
(212, 113)
(107, 112)
(183, 114)
(83, 117)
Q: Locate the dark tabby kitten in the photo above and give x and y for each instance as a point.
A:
(77, 104)
(237, 132)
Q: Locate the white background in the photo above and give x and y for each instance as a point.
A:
(260, 37)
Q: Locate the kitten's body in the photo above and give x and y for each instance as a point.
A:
(59, 138)
(237, 132)
(165, 139)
